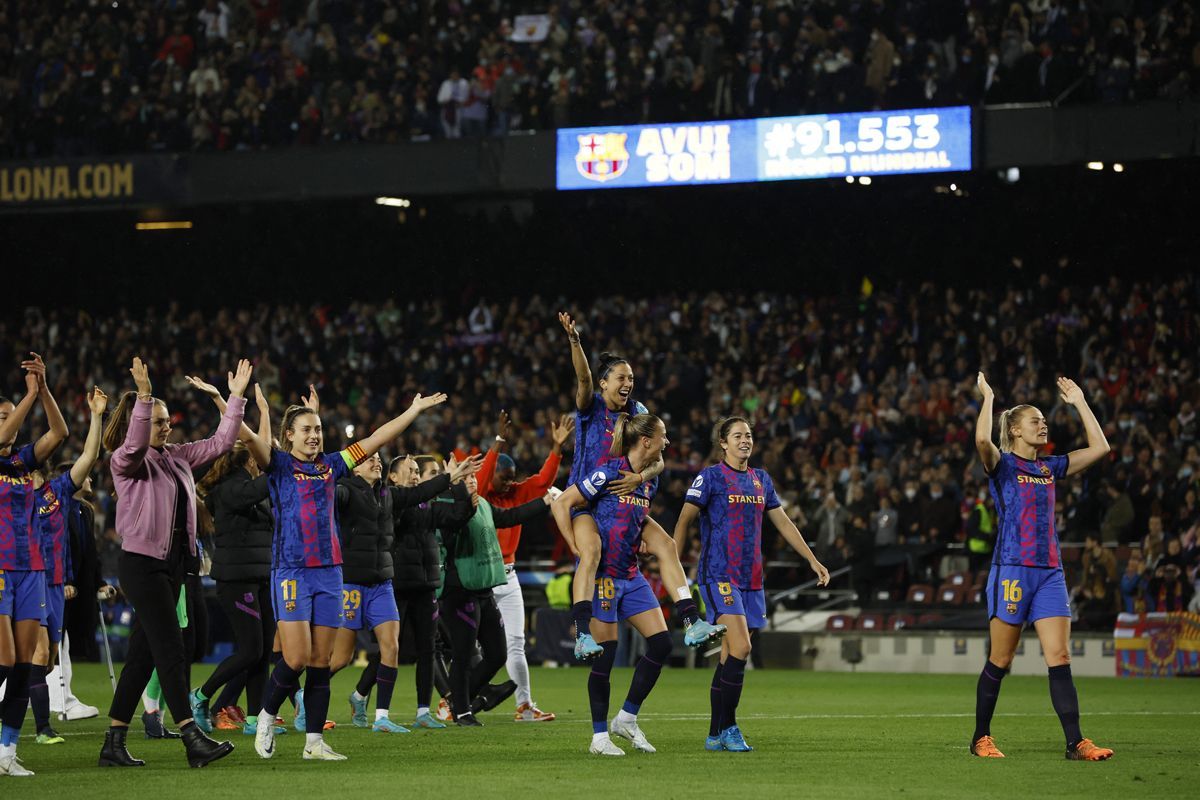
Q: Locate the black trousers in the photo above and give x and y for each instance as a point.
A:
(195, 635)
(247, 606)
(155, 641)
(418, 612)
(470, 617)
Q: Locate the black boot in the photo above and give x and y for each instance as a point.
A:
(155, 727)
(114, 753)
(201, 750)
(492, 695)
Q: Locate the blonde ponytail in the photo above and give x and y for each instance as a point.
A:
(627, 430)
(1008, 420)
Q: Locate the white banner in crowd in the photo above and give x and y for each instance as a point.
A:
(530, 28)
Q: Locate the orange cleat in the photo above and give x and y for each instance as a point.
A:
(443, 711)
(1087, 750)
(329, 725)
(224, 721)
(985, 747)
(528, 712)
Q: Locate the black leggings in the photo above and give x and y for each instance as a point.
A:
(472, 616)
(195, 635)
(155, 640)
(247, 606)
(418, 610)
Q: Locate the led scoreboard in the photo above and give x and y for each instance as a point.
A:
(767, 149)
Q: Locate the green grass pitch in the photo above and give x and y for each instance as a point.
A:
(816, 735)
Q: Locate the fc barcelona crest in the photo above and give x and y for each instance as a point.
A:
(606, 605)
(1045, 470)
(290, 605)
(1011, 608)
(728, 600)
(350, 615)
(602, 156)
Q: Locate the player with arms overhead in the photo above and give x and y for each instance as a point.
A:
(621, 591)
(598, 413)
(1026, 583)
(306, 574)
(731, 499)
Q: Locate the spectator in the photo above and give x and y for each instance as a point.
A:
(214, 17)
(1168, 590)
(940, 520)
(1117, 521)
(452, 96)
(1095, 554)
(829, 527)
(1133, 585)
(1096, 599)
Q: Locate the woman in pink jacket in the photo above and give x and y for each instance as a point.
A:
(156, 519)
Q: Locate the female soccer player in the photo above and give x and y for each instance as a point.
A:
(235, 494)
(731, 500)
(306, 575)
(598, 412)
(156, 517)
(1026, 582)
(367, 510)
(621, 591)
(22, 584)
(55, 499)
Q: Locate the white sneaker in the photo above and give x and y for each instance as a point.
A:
(13, 768)
(631, 731)
(78, 710)
(322, 752)
(603, 746)
(264, 736)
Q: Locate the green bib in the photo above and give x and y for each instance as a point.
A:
(477, 555)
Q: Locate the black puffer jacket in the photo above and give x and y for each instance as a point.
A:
(366, 516)
(243, 526)
(417, 552)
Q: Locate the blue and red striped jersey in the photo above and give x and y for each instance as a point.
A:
(56, 500)
(732, 504)
(1024, 494)
(619, 518)
(305, 506)
(594, 435)
(19, 545)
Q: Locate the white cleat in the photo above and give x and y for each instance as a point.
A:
(322, 752)
(13, 768)
(604, 747)
(77, 711)
(631, 731)
(264, 736)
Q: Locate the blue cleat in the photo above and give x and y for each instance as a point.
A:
(586, 648)
(200, 712)
(301, 723)
(251, 728)
(700, 633)
(733, 741)
(427, 720)
(385, 725)
(713, 743)
(358, 712)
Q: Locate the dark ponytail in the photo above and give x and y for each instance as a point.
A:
(118, 421)
(607, 362)
(628, 430)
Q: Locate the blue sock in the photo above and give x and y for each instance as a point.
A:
(16, 701)
(283, 683)
(731, 690)
(316, 699)
(39, 697)
(987, 691)
(581, 612)
(599, 686)
(714, 703)
(1066, 702)
(649, 667)
(386, 681)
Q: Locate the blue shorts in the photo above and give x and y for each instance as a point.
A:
(55, 605)
(368, 604)
(23, 595)
(726, 598)
(1017, 595)
(308, 594)
(616, 599)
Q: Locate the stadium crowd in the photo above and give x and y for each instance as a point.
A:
(863, 407)
(80, 77)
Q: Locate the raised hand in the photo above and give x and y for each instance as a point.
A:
(503, 425)
(560, 432)
(97, 401)
(451, 465)
(141, 377)
(461, 470)
(260, 399)
(1070, 392)
(568, 324)
(241, 379)
(421, 402)
(312, 402)
(37, 367)
(202, 385)
(33, 381)
(984, 388)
